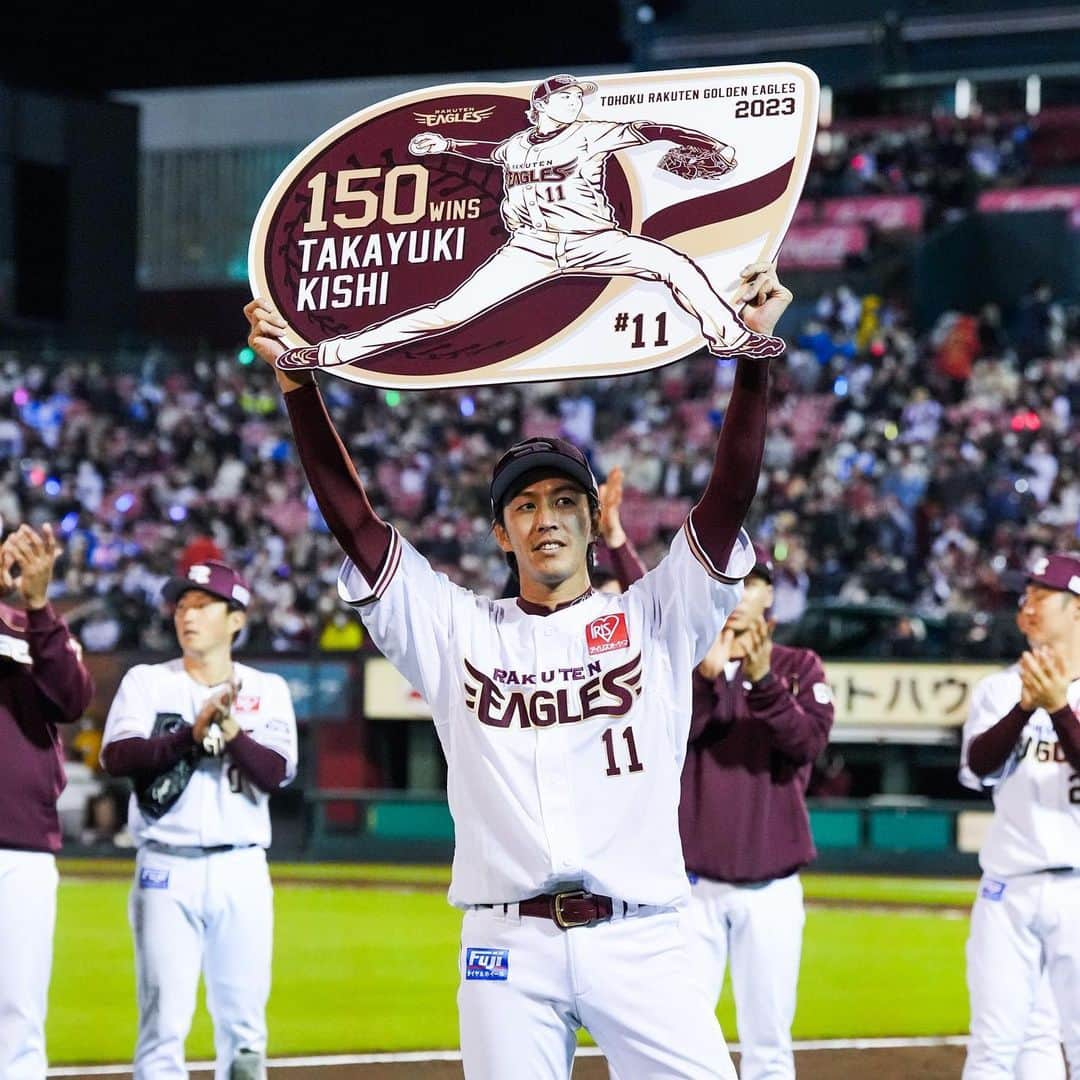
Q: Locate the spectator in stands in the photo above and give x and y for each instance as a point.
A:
(1034, 322)
(880, 466)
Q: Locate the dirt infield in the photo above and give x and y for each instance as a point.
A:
(906, 1063)
(916, 1063)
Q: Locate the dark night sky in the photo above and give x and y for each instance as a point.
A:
(90, 49)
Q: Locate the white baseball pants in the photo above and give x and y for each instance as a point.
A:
(1041, 1057)
(213, 912)
(1024, 933)
(757, 931)
(27, 921)
(528, 260)
(628, 981)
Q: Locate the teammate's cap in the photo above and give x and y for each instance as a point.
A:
(543, 90)
(763, 564)
(538, 453)
(1061, 572)
(212, 577)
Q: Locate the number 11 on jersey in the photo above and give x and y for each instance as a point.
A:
(609, 745)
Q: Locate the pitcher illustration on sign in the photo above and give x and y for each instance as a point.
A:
(573, 247)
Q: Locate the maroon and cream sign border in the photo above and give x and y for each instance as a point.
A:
(360, 230)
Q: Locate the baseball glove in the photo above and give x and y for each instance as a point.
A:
(699, 163)
(428, 142)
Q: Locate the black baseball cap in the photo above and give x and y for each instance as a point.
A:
(529, 455)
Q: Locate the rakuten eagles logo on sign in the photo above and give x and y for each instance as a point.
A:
(463, 114)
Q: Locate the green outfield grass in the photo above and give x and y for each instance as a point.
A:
(375, 968)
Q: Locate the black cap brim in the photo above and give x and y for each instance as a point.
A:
(507, 483)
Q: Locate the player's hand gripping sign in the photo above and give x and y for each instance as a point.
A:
(509, 232)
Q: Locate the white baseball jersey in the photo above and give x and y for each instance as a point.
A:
(218, 806)
(564, 733)
(1036, 793)
(556, 182)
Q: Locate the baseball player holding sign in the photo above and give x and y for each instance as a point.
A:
(560, 222)
(563, 714)
(1022, 741)
(43, 683)
(205, 740)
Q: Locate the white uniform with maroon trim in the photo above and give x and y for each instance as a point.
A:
(560, 222)
(565, 736)
(213, 910)
(1025, 933)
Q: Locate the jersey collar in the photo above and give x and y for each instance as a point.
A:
(538, 609)
(536, 137)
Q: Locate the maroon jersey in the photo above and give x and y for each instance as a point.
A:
(743, 814)
(43, 683)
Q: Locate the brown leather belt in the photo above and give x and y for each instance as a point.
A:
(569, 909)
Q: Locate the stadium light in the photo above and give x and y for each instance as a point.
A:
(1033, 95)
(825, 114)
(964, 99)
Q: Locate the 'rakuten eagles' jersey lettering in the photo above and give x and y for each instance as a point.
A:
(556, 184)
(1036, 793)
(564, 733)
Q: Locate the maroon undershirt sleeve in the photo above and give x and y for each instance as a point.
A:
(332, 477)
(473, 149)
(152, 757)
(1068, 732)
(59, 673)
(723, 506)
(798, 722)
(990, 750)
(704, 702)
(264, 767)
(679, 135)
(626, 564)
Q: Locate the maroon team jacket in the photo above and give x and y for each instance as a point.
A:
(743, 816)
(53, 688)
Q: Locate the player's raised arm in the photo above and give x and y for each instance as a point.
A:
(625, 561)
(362, 534)
(27, 559)
(431, 142)
(681, 136)
(715, 521)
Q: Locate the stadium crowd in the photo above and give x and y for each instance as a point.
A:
(922, 470)
(945, 161)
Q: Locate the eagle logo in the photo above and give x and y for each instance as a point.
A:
(464, 114)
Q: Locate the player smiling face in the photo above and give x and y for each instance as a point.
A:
(561, 107)
(548, 526)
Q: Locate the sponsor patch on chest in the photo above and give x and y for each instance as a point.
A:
(151, 877)
(487, 964)
(607, 633)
